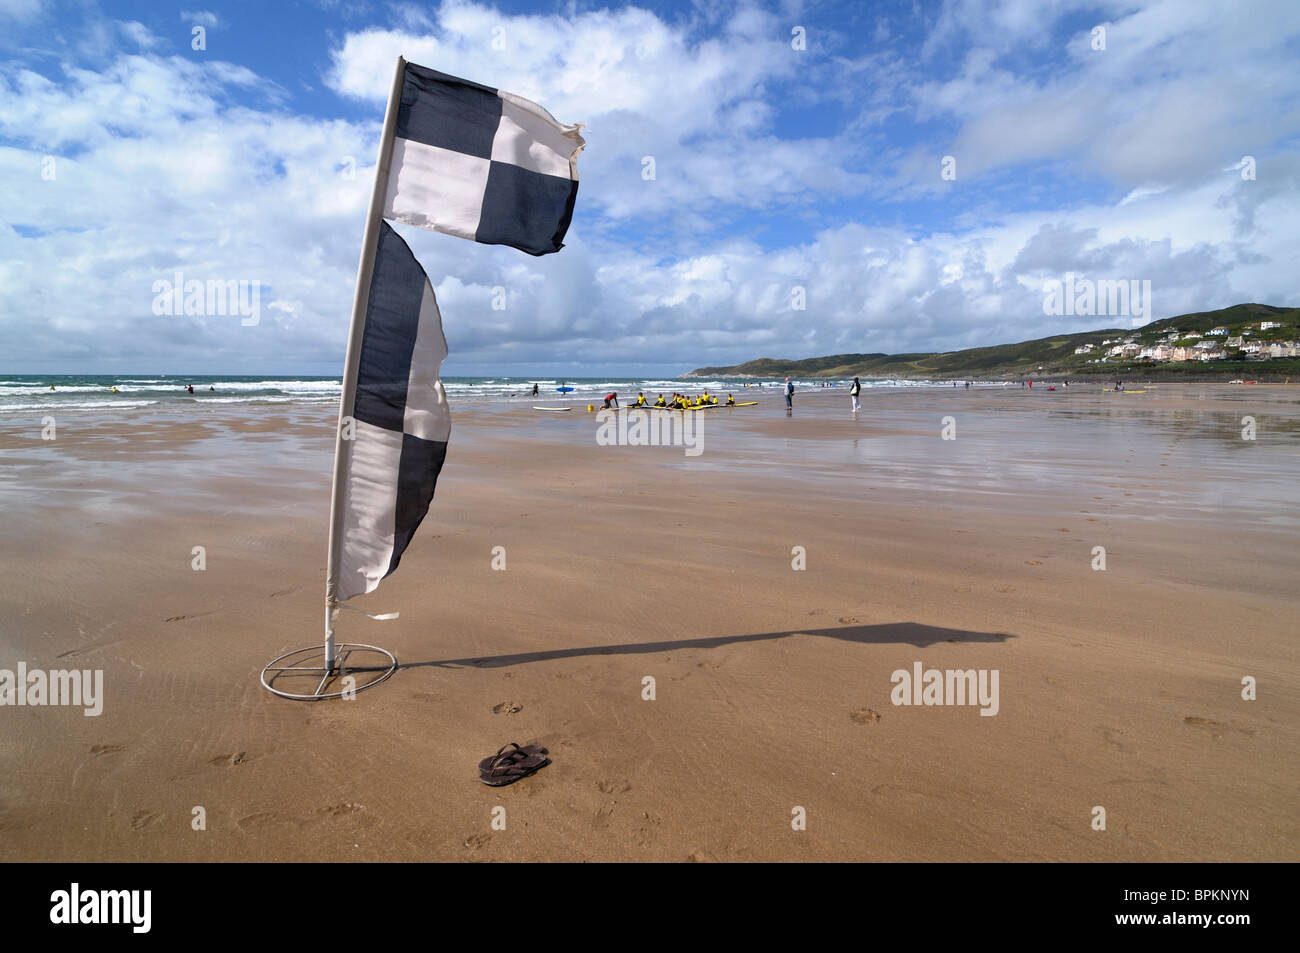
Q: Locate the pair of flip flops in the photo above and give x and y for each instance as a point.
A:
(512, 763)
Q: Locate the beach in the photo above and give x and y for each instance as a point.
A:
(770, 586)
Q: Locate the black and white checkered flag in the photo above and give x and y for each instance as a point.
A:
(469, 161)
(481, 164)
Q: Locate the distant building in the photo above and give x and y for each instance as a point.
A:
(1235, 342)
(1265, 325)
(1219, 331)
(1084, 349)
(1214, 354)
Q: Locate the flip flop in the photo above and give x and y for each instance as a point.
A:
(511, 763)
(518, 754)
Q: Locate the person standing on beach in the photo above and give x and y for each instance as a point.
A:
(789, 394)
(854, 391)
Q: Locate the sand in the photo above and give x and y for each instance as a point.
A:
(1119, 688)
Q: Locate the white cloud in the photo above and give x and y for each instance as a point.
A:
(203, 18)
(20, 11)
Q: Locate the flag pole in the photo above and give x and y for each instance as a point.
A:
(365, 269)
(304, 662)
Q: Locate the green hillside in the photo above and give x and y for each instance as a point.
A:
(1053, 356)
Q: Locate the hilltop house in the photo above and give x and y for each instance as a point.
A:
(1265, 325)
(1084, 349)
(1219, 331)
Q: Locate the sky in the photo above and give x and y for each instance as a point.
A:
(911, 173)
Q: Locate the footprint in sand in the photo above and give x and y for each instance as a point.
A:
(699, 857)
(1109, 735)
(1032, 562)
(106, 749)
(865, 716)
(848, 619)
(477, 841)
(506, 708)
(1005, 589)
(229, 760)
(338, 810)
(614, 787)
(1062, 529)
(255, 820)
(1216, 727)
(142, 819)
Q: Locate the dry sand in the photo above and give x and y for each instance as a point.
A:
(1119, 688)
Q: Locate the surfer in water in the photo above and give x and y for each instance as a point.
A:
(534, 390)
(190, 388)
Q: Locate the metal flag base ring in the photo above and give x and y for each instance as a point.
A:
(324, 674)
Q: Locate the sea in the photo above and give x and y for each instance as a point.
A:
(24, 394)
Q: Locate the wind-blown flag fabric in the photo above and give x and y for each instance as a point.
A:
(482, 164)
(402, 422)
(469, 161)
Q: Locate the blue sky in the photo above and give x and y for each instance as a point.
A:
(126, 156)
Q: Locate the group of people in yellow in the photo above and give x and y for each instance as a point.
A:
(682, 401)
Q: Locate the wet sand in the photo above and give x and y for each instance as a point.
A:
(1119, 688)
